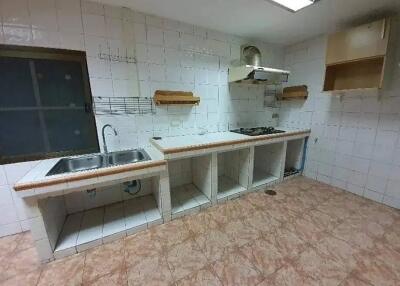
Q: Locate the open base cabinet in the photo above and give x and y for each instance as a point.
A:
(190, 181)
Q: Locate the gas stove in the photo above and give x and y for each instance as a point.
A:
(257, 131)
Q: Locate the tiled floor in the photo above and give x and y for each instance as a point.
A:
(308, 234)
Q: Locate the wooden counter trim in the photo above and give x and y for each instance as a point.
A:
(80, 176)
(232, 142)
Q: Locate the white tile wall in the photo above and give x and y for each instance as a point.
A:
(355, 140)
(170, 54)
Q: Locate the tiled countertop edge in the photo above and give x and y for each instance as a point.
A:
(230, 142)
(87, 175)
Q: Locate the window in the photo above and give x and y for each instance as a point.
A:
(45, 104)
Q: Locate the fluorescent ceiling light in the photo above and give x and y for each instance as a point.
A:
(294, 5)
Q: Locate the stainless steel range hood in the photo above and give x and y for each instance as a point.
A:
(249, 69)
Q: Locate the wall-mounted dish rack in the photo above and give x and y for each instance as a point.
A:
(123, 105)
(119, 56)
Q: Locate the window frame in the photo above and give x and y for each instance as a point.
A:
(61, 55)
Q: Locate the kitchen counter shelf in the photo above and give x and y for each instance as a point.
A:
(93, 227)
(190, 184)
(187, 199)
(233, 173)
(261, 177)
(228, 189)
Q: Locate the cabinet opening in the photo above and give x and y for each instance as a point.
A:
(267, 164)
(190, 181)
(360, 74)
(108, 214)
(233, 173)
(294, 157)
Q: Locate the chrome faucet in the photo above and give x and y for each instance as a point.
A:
(104, 136)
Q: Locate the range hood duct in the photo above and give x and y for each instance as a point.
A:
(250, 70)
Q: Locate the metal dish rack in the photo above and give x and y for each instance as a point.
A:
(123, 105)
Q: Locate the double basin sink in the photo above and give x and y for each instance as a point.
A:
(96, 161)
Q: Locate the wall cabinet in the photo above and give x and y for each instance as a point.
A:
(356, 58)
(366, 41)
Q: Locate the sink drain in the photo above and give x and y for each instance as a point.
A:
(270, 192)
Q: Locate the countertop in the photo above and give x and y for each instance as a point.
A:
(36, 181)
(171, 145)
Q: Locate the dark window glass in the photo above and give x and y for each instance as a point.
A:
(45, 104)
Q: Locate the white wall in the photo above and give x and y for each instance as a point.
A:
(355, 142)
(170, 54)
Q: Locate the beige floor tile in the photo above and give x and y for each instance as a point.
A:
(116, 278)
(321, 268)
(9, 244)
(370, 268)
(203, 277)
(150, 271)
(171, 233)
(240, 233)
(262, 222)
(28, 279)
(19, 263)
(339, 250)
(200, 223)
(214, 244)
(306, 230)
(266, 256)
(66, 271)
(288, 242)
(139, 246)
(288, 275)
(352, 280)
(236, 269)
(106, 259)
(185, 258)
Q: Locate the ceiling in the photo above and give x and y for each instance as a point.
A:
(262, 20)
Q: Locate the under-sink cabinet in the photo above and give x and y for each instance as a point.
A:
(71, 232)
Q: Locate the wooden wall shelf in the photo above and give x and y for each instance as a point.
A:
(164, 97)
(294, 92)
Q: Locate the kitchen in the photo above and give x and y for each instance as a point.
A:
(183, 122)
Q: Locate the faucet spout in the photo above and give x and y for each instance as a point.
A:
(104, 136)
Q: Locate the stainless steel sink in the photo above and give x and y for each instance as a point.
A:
(127, 157)
(89, 162)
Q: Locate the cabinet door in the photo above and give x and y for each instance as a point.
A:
(366, 41)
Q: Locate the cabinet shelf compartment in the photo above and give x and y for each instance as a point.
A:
(190, 181)
(294, 158)
(360, 74)
(233, 174)
(109, 215)
(267, 164)
(94, 227)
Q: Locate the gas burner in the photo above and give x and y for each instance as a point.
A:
(257, 131)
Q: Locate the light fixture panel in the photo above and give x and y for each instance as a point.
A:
(293, 5)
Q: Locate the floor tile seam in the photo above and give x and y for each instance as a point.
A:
(260, 271)
(164, 255)
(354, 274)
(91, 281)
(14, 276)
